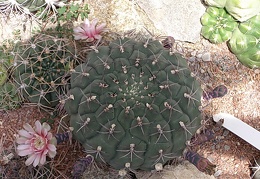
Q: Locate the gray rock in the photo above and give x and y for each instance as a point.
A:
(225, 133)
(192, 59)
(257, 71)
(184, 170)
(217, 173)
(179, 19)
(206, 57)
(226, 147)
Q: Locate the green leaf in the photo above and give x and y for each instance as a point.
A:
(61, 10)
(74, 8)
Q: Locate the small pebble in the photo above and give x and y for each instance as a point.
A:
(226, 132)
(257, 71)
(199, 55)
(193, 53)
(226, 147)
(206, 57)
(217, 146)
(191, 59)
(217, 173)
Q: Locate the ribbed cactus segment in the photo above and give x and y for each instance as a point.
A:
(245, 43)
(42, 66)
(134, 104)
(217, 25)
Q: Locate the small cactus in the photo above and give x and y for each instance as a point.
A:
(217, 25)
(42, 68)
(134, 103)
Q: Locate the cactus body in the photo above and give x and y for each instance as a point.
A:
(133, 104)
(217, 25)
(41, 69)
(245, 42)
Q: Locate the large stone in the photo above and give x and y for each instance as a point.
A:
(185, 170)
(179, 19)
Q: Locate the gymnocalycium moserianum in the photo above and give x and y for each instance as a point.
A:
(133, 104)
(42, 68)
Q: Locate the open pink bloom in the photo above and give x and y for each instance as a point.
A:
(89, 30)
(36, 143)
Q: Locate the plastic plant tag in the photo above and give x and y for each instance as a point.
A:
(241, 129)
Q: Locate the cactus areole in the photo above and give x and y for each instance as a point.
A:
(134, 104)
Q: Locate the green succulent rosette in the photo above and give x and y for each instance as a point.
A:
(134, 104)
(217, 25)
(245, 42)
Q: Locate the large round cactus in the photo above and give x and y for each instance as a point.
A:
(134, 104)
(217, 25)
(41, 68)
(245, 42)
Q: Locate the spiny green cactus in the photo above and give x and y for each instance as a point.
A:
(30, 6)
(217, 25)
(134, 104)
(245, 42)
(9, 97)
(41, 69)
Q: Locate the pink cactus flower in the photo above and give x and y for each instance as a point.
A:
(36, 143)
(89, 30)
